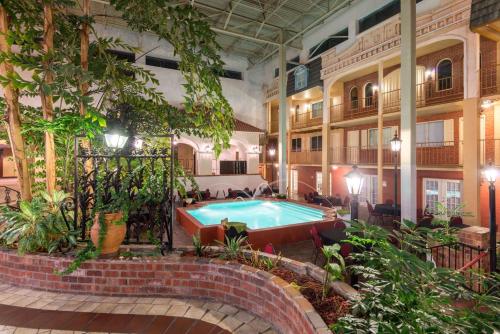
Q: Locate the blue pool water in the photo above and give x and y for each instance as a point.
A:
(256, 213)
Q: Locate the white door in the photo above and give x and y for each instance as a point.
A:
(446, 192)
(319, 182)
(295, 181)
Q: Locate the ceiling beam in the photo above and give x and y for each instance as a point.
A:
(280, 4)
(240, 35)
(313, 24)
(202, 5)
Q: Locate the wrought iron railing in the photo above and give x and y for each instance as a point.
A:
(101, 170)
(469, 260)
(9, 196)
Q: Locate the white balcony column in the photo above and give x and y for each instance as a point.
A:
(471, 136)
(408, 111)
(380, 133)
(325, 161)
(283, 122)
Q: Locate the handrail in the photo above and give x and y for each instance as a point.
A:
(472, 262)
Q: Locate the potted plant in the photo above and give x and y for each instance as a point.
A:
(110, 217)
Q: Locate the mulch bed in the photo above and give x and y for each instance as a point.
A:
(331, 308)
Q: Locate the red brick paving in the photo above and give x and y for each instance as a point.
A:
(103, 322)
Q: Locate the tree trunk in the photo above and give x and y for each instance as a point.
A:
(84, 61)
(47, 102)
(11, 94)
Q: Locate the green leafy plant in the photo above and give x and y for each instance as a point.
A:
(401, 293)
(343, 212)
(233, 247)
(38, 225)
(199, 248)
(333, 270)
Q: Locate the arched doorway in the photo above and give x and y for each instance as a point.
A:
(186, 156)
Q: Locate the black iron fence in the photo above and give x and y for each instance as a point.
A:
(471, 261)
(145, 175)
(9, 196)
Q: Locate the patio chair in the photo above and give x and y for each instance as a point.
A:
(269, 249)
(317, 243)
(347, 202)
(379, 217)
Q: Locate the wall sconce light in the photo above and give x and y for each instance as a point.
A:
(429, 73)
(486, 104)
(375, 88)
(207, 148)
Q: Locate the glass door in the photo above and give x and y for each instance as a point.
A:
(295, 181)
(446, 192)
(319, 182)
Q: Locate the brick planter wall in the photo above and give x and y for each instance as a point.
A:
(259, 292)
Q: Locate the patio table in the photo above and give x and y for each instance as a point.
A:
(332, 236)
(387, 209)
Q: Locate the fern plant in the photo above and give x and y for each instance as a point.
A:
(233, 247)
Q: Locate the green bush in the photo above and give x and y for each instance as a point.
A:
(38, 226)
(401, 293)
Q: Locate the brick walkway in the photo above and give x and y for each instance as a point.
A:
(32, 311)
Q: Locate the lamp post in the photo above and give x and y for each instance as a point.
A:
(395, 148)
(354, 181)
(272, 153)
(490, 174)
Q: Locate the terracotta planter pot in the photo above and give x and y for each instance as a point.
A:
(115, 234)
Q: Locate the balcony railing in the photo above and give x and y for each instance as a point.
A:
(490, 151)
(305, 120)
(490, 80)
(428, 154)
(305, 157)
(430, 92)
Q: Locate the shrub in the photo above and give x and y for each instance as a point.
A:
(400, 293)
(38, 225)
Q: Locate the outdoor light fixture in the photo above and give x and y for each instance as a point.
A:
(429, 73)
(395, 148)
(115, 140)
(375, 88)
(272, 151)
(395, 143)
(354, 180)
(490, 174)
(486, 104)
(138, 143)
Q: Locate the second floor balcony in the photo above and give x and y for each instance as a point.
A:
(306, 157)
(428, 93)
(305, 120)
(490, 80)
(436, 154)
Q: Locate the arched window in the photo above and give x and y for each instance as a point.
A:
(444, 72)
(353, 97)
(369, 95)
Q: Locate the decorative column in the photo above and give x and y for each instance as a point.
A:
(283, 119)
(325, 161)
(408, 111)
(380, 132)
(471, 134)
